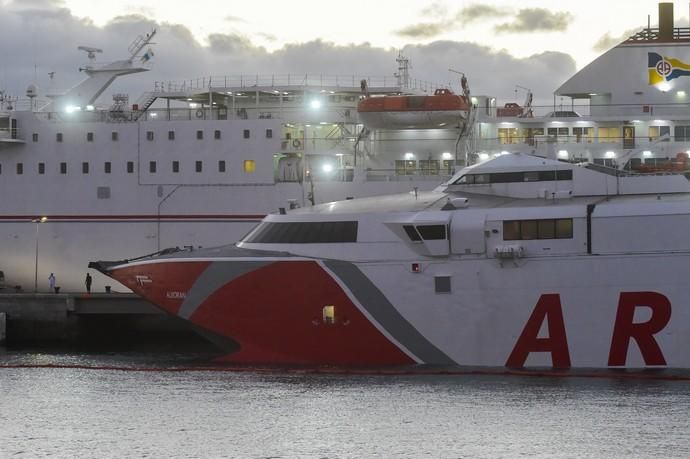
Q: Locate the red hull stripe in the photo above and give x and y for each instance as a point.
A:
(385, 314)
(137, 217)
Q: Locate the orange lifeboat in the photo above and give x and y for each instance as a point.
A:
(443, 109)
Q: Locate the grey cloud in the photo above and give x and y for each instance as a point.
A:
(475, 12)
(179, 56)
(435, 10)
(536, 20)
(424, 29)
(233, 19)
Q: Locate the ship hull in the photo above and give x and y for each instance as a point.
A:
(566, 313)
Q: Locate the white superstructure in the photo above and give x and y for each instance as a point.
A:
(200, 162)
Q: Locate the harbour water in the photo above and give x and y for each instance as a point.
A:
(81, 412)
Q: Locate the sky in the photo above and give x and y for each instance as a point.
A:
(500, 45)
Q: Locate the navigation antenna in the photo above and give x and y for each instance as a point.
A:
(403, 73)
(91, 53)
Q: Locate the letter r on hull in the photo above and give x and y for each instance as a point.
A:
(643, 332)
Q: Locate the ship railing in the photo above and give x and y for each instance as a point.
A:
(319, 81)
(296, 114)
(574, 112)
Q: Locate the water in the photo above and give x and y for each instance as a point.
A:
(71, 412)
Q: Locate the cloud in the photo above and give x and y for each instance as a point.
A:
(536, 20)
(233, 19)
(475, 12)
(180, 56)
(435, 10)
(424, 29)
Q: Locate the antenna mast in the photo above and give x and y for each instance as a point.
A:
(403, 74)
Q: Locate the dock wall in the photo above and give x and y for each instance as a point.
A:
(109, 322)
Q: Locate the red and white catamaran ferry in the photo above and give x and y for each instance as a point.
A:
(518, 261)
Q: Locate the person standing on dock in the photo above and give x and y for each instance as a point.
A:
(51, 282)
(88, 281)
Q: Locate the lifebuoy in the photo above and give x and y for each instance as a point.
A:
(296, 143)
(200, 113)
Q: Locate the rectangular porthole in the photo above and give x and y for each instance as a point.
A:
(442, 284)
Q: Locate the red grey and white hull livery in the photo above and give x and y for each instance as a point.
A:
(515, 262)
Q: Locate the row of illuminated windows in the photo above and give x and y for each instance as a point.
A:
(150, 135)
(424, 166)
(249, 166)
(586, 134)
(549, 228)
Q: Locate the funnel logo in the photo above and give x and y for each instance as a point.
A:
(662, 69)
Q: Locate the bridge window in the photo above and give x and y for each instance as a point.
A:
(515, 177)
(550, 228)
(412, 233)
(303, 232)
(432, 232)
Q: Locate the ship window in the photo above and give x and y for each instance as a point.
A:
(412, 233)
(516, 230)
(198, 166)
(103, 192)
(249, 165)
(84, 168)
(442, 284)
(20, 168)
(152, 167)
(532, 176)
(130, 167)
(329, 314)
(114, 136)
(34, 137)
(432, 232)
(176, 166)
(89, 136)
(199, 135)
(41, 168)
(216, 134)
(63, 168)
(564, 228)
(107, 167)
(269, 133)
(149, 135)
(221, 166)
(246, 133)
(58, 137)
(171, 135)
(609, 135)
(303, 232)
(0, 168)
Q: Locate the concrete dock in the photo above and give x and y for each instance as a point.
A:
(104, 321)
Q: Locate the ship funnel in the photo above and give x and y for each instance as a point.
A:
(666, 21)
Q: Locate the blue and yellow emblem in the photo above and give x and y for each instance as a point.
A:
(663, 68)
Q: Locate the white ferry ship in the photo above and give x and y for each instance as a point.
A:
(198, 163)
(519, 261)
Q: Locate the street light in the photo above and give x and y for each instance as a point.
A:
(38, 221)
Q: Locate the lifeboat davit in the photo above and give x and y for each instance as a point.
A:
(444, 109)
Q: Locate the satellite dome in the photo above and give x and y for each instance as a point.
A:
(31, 91)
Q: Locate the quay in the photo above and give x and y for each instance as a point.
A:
(102, 321)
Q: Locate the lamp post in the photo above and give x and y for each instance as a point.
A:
(38, 221)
